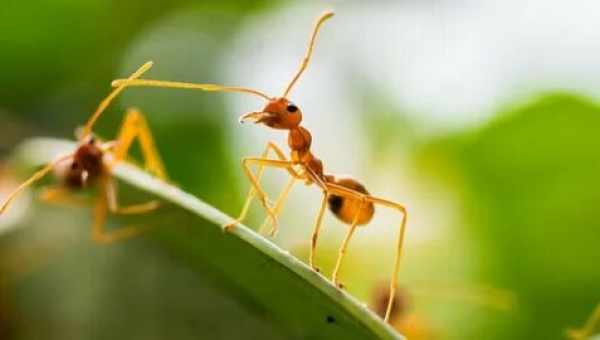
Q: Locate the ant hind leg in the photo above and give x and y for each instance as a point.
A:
(135, 126)
(343, 191)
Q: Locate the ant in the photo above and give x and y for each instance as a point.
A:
(91, 165)
(414, 325)
(347, 198)
(588, 329)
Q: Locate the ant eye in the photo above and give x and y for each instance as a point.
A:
(292, 108)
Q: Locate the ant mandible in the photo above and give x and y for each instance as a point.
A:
(91, 164)
(347, 198)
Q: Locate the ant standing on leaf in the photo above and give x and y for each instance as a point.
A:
(91, 165)
(347, 198)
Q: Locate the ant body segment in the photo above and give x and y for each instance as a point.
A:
(91, 165)
(346, 198)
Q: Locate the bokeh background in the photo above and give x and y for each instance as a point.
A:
(481, 117)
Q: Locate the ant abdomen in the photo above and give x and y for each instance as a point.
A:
(346, 208)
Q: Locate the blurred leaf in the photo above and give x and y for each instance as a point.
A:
(531, 186)
(274, 286)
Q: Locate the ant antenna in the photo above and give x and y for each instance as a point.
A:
(87, 129)
(326, 15)
(35, 177)
(120, 83)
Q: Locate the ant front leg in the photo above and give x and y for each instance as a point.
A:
(263, 162)
(294, 175)
(278, 208)
(336, 189)
(271, 146)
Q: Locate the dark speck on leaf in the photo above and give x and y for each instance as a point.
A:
(330, 319)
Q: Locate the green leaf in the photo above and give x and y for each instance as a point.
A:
(272, 284)
(530, 186)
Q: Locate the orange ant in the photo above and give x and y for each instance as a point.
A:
(347, 199)
(91, 164)
(588, 329)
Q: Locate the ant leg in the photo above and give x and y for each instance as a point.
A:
(35, 177)
(344, 246)
(343, 191)
(87, 129)
(113, 204)
(61, 195)
(99, 232)
(588, 329)
(278, 207)
(135, 126)
(252, 192)
(247, 162)
(284, 193)
(271, 146)
(394, 281)
(317, 230)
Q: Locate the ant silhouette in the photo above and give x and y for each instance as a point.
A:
(347, 198)
(91, 165)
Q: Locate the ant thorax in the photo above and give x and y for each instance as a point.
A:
(299, 139)
(83, 168)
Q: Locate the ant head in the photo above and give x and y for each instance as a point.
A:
(279, 113)
(85, 165)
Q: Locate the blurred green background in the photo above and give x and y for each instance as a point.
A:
(482, 118)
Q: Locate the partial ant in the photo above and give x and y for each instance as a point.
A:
(347, 198)
(91, 165)
(414, 324)
(588, 329)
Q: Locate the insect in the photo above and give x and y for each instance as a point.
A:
(588, 329)
(346, 198)
(414, 324)
(91, 165)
